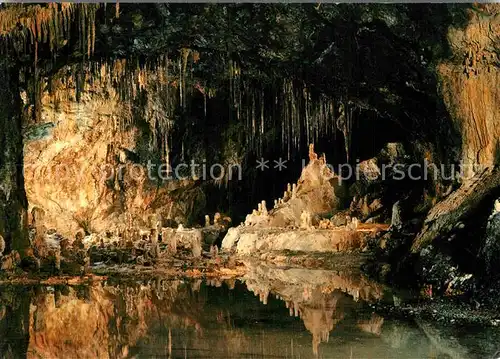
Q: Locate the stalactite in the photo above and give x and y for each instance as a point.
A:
(290, 108)
(254, 125)
(180, 82)
(48, 24)
(262, 99)
(306, 97)
(349, 132)
(183, 60)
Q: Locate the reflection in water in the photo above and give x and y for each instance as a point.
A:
(271, 312)
(320, 298)
(14, 323)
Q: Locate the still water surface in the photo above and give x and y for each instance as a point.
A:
(269, 313)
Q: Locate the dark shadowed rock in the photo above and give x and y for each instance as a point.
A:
(491, 249)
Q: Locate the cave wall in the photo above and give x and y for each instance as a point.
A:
(86, 161)
(13, 203)
(470, 86)
(236, 83)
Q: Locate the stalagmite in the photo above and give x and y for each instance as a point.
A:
(57, 259)
(353, 225)
(286, 197)
(305, 220)
(196, 244)
(154, 235)
(78, 243)
(164, 234)
(312, 155)
(217, 219)
(214, 251)
(294, 190)
(172, 244)
(155, 250)
(263, 208)
(396, 223)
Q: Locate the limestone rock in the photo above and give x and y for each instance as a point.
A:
(76, 175)
(189, 239)
(491, 249)
(10, 261)
(250, 240)
(2, 246)
(396, 222)
(229, 241)
(339, 219)
(318, 191)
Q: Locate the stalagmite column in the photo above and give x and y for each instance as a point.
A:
(263, 207)
(172, 244)
(13, 202)
(196, 244)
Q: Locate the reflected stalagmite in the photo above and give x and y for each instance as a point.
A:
(319, 298)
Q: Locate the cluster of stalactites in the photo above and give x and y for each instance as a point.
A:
(23, 26)
(297, 115)
(290, 109)
(166, 80)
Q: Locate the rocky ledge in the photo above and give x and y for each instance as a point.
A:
(251, 240)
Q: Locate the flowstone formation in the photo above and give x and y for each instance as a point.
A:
(86, 162)
(317, 192)
(304, 219)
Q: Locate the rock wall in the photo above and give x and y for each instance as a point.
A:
(85, 167)
(470, 85)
